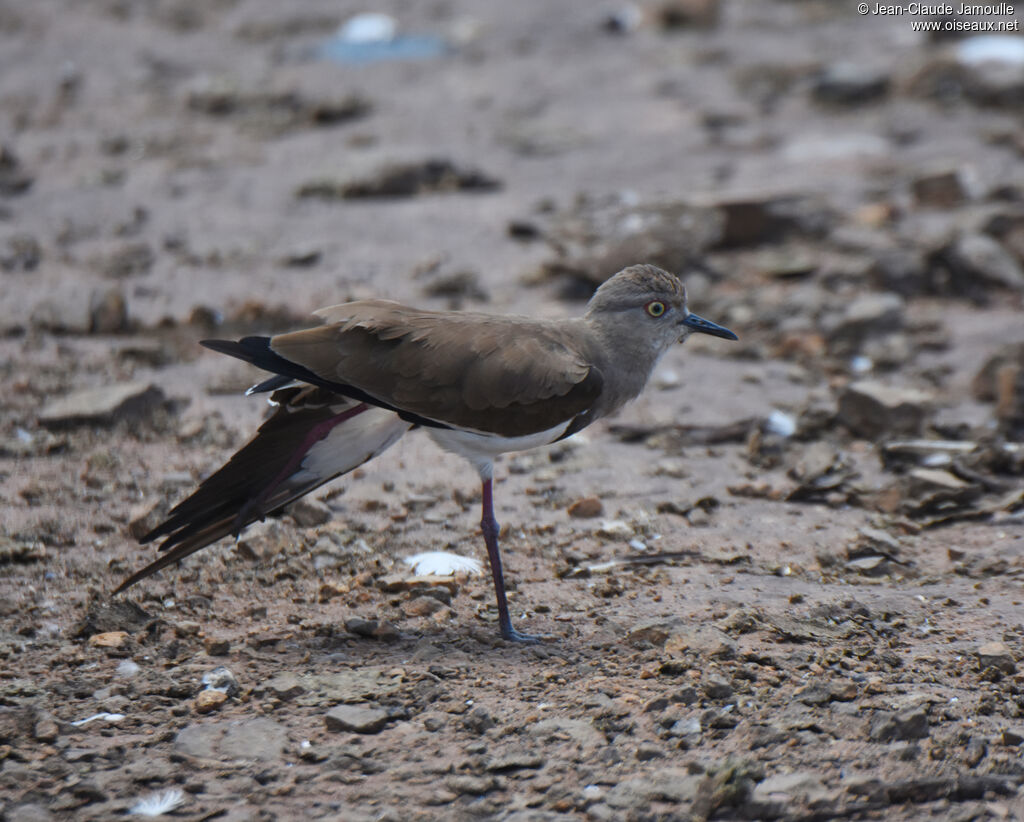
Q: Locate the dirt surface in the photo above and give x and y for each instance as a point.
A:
(765, 598)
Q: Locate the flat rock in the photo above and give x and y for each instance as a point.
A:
(356, 719)
(775, 796)
(515, 760)
(871, 409)
(258, 738)
(668, 785)
(579, 731)
(102, 406)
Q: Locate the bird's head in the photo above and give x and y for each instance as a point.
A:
(653, 303)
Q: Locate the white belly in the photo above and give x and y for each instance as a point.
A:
(481, 449)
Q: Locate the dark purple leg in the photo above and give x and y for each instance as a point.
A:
(253, 509)
(489, 525)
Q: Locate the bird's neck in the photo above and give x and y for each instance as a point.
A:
(625, 358)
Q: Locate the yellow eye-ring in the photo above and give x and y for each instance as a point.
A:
(655, 308)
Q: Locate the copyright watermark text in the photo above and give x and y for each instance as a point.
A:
(964, 15)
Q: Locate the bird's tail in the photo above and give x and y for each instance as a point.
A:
(313, 437)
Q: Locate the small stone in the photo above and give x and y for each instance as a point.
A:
(285, 686)
(849, 84)
(942, 189)
(871, 409)
(924, 481)
(471, 785)
(46, 730)
(716, 686)
(996, 655)
(130, 260)
(586, 508)
(309, 513)
(674, 14)
(356, 719)
(108, 312)
(422, 606)
(515, 760)
(478, 720)
(102, 406)
(646, 751)
(144, 517)
(110, 639)
(216, 647)
(614, 529)
(977, 262)
(864, 318)
(221, 679)
(1011, 738)
(208, 701)
(910, 723)
(301, 257)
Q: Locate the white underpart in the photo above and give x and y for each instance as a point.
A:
(353, 442)
(481, 448)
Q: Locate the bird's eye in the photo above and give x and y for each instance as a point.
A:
(655, 308)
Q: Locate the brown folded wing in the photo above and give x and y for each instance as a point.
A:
(504, 375)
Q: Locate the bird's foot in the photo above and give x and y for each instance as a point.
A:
(510, 634)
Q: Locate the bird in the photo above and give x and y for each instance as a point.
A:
(481, 385)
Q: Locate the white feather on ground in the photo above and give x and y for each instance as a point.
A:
(442, 564)
(158, 804)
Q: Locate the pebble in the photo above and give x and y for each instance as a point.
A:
(471, 785)
(110, 639)
(516, 760)
(996, 655)
(864, 318)
(285, 686)
(849, 84)
(102, 406)
(941, 189)
(977, 262)
(1012, 738)
(108, 312)
(422, 606)
(586, 508)
(614, 529)
(208, 701)
(910, 723)
(46, 730)
(221, 679)
(716, 686)
(871, 409)
(478, 720)
(356, 719)
(309, 513)
(646, 751)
